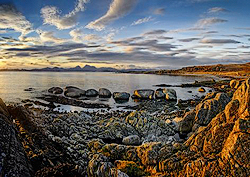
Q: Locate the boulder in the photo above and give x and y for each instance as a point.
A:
(91, 93)
(201, 89)
(170, 94)
(55, 90)
(144, 94)
(159, 93)
(121, 96)
(104, 93)
(131, 140)
(73, 92)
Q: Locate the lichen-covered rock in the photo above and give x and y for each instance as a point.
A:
(148, 153)
(204, 112)
(222, 147)
(151, 128)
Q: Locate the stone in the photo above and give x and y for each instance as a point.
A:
(159, 93)
(104, 93)
(234, 84)
(144, 94)
(55, 90)
(131, 140)
(121, 96)
(201, 89)
(91, 93)
(170, 94)
(73, 92)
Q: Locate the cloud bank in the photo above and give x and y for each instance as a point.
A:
(11, 18)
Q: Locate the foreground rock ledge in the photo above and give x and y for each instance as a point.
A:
(83, 145)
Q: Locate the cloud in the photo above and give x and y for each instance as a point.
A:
(159, 11)
(155, 32)
(76, 34)
(142, 20)
(209, 21)
(244, 28)
(48, 36)
(189, 39)
(219, 41)
(51, 15)
(11, 18)
(216, 10)
(117, 9)
(92, 37)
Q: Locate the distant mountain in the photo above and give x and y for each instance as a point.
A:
(86, 68)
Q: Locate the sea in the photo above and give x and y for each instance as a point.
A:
(13, 84)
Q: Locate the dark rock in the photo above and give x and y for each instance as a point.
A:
(144, 94)
(91, 93)
(55, 90)
(73, 92)
(121, 96)
(104, 93)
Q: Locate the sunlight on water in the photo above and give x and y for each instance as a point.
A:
(12, 84)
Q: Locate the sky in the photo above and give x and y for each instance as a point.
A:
(127, 34)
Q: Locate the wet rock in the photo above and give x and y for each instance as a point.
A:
(201, 89)
(91, 93)
(170, 94)
(104, 93)
(73, 92)
(132, 140)
(55, 90)
(121, 96)
(159, 93)
(144, 94)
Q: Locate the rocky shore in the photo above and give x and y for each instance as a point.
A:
(163, 136)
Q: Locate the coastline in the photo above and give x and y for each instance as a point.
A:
(140, 142)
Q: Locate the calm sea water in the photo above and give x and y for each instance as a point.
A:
(12, 84)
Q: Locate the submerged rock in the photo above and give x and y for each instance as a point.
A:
(55, 90)
(144, 94)
(91, 93)
(74, 92)
(104, 93)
